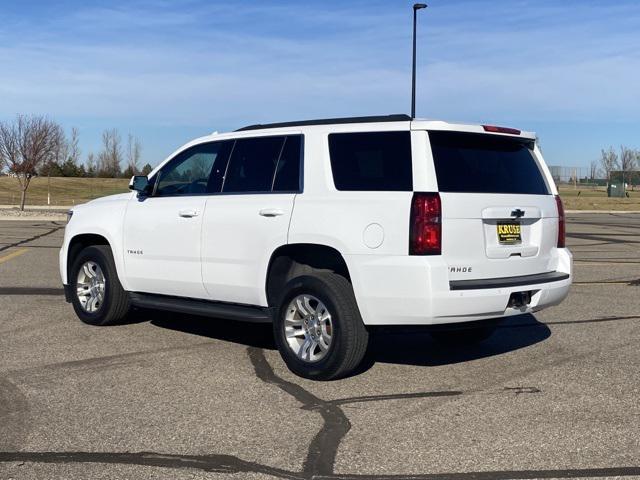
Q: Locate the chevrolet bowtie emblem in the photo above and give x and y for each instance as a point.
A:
(517, 213)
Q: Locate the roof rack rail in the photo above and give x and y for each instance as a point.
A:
(400, 117)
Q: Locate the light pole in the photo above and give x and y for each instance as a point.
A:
(416, 7)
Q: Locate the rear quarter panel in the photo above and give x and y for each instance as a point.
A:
(354, 223)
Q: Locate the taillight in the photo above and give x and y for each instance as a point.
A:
(561, 222)
(425, 232)
(494, 129)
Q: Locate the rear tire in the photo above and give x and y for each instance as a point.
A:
(96, 293)
(329, 313)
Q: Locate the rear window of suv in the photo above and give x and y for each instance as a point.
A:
(480, 163)
(371, 161)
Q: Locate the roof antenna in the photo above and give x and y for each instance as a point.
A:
(416, 7)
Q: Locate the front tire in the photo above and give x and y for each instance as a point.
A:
(97, 296)
(318, 328)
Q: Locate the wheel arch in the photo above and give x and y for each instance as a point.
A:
(81, 241)
(288, 261)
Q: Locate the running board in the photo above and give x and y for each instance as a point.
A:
(206, 308)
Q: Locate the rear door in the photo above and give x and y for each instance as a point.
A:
(250, 218)
(499, 217)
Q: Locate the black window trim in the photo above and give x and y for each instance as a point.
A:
(221, 192)
(275, 170)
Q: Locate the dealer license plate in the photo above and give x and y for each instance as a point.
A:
(509, 232)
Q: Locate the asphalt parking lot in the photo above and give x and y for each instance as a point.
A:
(551, 396)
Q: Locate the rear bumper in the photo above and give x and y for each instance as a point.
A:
(508, 282)
(405, 290)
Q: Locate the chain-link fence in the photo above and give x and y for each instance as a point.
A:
(584, 178)
(575, 175)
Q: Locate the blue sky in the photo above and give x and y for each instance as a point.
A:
(168, 71)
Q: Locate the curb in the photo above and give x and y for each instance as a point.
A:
(49, 208)
(610, 212)
(33, 218)
(37, 207)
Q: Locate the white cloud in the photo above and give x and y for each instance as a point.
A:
(213, 64)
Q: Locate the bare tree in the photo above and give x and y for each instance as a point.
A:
(627, 159)
(134, 150)
(73, 148)
(9, 145)
(58, 158)
(61, 146)
(111, 155)
(91, 165)
(609, 161)
(593, 170)
(71, 166)
(25, 145)
(53, 165)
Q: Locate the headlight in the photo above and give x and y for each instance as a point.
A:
(69, 215)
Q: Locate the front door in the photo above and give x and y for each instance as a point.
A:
(162, 230)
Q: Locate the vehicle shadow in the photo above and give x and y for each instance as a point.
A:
(404, 346)
(414, 346)
(250, 334)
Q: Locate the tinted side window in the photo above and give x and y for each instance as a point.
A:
(287, 175)
(480, 163)
(196, 170)
(371, 161)
(252, 164)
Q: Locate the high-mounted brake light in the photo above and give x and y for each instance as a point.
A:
(494, 129)
(561, 222)
(425, 232)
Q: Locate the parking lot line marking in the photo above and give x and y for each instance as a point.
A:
(15, 254)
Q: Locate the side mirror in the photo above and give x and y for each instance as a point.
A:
(139, 183)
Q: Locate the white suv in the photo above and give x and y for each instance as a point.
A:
(326, 228)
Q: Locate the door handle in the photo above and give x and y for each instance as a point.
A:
(188, 213)
(271, 212)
